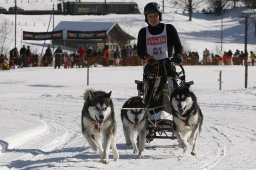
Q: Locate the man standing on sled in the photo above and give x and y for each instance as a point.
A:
(155, 44)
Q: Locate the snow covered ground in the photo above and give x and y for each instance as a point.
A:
(41, 114)
(40, 108)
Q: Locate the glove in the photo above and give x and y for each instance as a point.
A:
(149, 58)
(177, 59)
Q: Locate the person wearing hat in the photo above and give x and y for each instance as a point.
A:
(156, 42)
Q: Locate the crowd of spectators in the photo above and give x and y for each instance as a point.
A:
(116, 55)
(227, 58)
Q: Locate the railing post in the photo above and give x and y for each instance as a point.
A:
(220, 80)
(88, 75)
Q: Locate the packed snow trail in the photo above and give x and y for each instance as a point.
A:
(40, 122)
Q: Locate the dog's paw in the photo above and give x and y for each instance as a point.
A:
(135, 150)
(190, 141)
(104, 161)
(183, 145)
(193, 153)
(140, 156)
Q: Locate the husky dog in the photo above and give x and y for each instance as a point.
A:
(134, 119)
(98, 121)
(188, 117)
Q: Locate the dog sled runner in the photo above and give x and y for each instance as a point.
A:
(159, 118)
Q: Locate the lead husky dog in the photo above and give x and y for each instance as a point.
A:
(134, 119)
(98, 121)
(188, 117)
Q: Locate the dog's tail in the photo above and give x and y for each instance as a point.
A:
(88, 93)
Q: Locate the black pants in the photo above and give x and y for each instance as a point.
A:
(163, 69)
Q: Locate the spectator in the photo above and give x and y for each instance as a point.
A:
(82, 53)
(206, 56)
(252, 57)
(89, 52)
(129, 50)
(67, 60)
(58, 55)
(241, 58)
(106, 54)
(28, 57)
(47, 58)
(117, 55)
(13, 57)
(229, 57)
(23, 51)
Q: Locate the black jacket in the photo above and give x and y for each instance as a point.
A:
(173, 40)
(58, 51)
(48, 52)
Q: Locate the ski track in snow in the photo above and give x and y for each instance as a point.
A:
(64, 130)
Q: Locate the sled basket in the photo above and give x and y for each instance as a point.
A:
(160, 125)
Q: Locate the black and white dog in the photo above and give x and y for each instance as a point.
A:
(188, 117)
(98, 121)
(134, 119)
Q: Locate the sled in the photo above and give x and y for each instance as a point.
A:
(160, 122)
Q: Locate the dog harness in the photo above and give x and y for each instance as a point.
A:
(97, 126)
(185, 122)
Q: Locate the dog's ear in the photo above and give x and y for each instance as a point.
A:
(129, 101)
(186, 90)
(188, 84)
(90, 95)
(109, 94)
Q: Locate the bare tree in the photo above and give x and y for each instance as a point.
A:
(188, 5)
(250, 3)
(234, 3)
(252, 15)
(5, 34)
(219, 6)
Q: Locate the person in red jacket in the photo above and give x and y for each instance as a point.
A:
(106, 55)
(82, 53)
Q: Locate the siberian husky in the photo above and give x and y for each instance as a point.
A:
(134, 119)
(188, 117)
(99, 124)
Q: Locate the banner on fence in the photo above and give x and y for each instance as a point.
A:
(42, 35)
(86, 34)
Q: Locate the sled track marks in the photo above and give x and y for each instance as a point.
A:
(229, 139)
(236, 106)
(55, 138)
(224, 142)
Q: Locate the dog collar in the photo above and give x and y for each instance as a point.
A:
(185, 122)
(97, 126)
